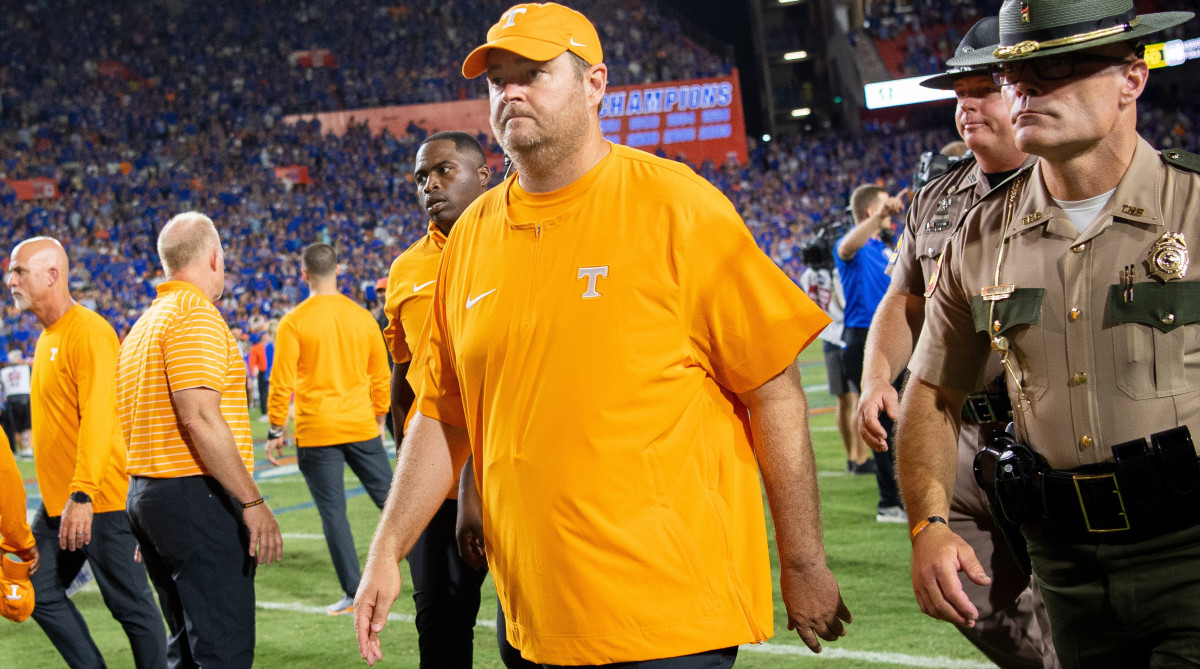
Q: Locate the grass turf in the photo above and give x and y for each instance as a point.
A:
(870, 560)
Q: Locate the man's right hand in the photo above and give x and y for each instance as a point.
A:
(377, 591)
(275, 450)
(266, 543)
(938, 555)
(876, 398)
(31, 556)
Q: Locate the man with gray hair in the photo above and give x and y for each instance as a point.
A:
(80, 463)
(195, 509)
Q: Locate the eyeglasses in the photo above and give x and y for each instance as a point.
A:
(1050, 68)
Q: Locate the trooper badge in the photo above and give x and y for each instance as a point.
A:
(1168, 260)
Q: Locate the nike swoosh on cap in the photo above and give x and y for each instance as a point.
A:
(417, 289)
(574, 43)
(472, 300)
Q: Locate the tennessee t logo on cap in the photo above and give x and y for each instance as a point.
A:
(16, 592)
(538, 32)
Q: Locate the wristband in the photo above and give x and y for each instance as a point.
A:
(925, 523)
(275, 433)
(255, 503)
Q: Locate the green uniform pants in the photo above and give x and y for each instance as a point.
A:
(1121, 606)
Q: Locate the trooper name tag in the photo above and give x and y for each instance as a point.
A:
(996, 293)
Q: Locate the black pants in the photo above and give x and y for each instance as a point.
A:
(264, 391)
(722, 658)
(885, 465)
(123, 586)
(509, 655)
(446, 591)
(195, 547)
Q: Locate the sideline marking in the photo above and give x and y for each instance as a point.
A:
(827, 653)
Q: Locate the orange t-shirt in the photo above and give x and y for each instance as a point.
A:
(591, 341)
(77, 439)
(14, 529)
(328, 352)
(181, 342)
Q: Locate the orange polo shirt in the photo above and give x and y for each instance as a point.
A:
(591, 341)
(14, 529)
(409, 293)
(329, 353)
(77, 439)
(180, 343)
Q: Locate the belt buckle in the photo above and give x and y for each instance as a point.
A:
(1101, 490)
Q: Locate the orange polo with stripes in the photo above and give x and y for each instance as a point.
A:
(180, 343)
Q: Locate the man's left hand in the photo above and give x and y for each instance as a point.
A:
(75, 531)
(814, 604)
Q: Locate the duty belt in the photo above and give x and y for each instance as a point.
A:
(984, 407)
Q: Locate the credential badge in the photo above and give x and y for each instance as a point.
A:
(1168, 260)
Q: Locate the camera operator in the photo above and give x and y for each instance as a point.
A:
(861, 261)
(820, 281)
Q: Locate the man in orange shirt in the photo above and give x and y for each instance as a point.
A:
(609, 344)
(196, 511)
(80, 461)
(329, 353)
(15, 536)
(450, 173)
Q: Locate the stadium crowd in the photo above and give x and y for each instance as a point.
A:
(129, 147)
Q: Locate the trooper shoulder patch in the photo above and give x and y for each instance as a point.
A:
(1182, 159)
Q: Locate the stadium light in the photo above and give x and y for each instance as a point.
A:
(766, 138)
(801, 112)
(795, 55)
(787, 2)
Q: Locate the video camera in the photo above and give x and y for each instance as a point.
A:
(931, 166)
(817, 251)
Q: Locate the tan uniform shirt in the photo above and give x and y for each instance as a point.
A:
(1097, 370)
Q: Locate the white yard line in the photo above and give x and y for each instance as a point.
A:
(899, 659)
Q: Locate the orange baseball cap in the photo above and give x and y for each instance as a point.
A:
(538, 32)
(16, 592)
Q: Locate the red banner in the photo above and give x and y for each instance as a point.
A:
(699, 119)
(313, 58)
(34, 189)
(297, 174)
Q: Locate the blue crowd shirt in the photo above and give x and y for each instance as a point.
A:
(864, 281)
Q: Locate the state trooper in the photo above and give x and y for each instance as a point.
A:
(1076, 273)
(1011, 628)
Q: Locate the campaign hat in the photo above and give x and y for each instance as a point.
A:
(1036, 28)
(985, 33)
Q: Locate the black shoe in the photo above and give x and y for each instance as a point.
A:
(865, 467)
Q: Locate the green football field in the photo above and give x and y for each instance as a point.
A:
(870, 560)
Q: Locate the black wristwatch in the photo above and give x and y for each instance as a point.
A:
(81, 497)
(275, 433)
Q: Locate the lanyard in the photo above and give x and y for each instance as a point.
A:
(998, 291)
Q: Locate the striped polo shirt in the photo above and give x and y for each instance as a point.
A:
(181, 342)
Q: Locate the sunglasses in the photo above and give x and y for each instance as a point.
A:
(1050, 68)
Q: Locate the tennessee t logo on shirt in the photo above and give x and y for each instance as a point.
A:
(593, 274)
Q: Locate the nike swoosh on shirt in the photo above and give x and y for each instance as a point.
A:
(574, 43)
(417, 289)
(472, 300)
